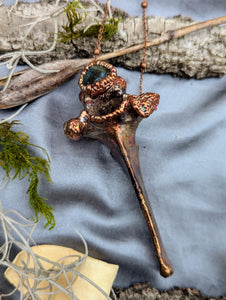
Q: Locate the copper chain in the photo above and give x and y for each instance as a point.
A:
(143, 65)
(97, 51)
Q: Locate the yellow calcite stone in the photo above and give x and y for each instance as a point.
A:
(101, 273)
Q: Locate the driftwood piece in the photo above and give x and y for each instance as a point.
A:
(200, 54)
(144, 291)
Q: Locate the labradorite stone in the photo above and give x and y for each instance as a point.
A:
(95, 73)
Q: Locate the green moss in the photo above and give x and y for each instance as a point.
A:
(18, 162)
(74, 18)
(110, 29)
(71, 32)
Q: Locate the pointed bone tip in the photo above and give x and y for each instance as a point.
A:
(166, 271)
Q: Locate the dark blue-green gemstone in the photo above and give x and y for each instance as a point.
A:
(95, 73)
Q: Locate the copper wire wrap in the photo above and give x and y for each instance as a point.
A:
(144, 5)
(110, 116)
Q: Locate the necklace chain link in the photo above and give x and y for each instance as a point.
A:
(97, 50)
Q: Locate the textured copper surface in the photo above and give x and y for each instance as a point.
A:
(98, 86)
(112, 116)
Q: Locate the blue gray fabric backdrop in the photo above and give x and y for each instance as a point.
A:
(183, 159)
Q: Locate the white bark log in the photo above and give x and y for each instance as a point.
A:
(200, 54)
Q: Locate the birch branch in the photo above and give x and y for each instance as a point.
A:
(199, 54)
(168, 36)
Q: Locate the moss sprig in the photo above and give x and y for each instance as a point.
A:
(110, 29)
(17, 162)
(72, 32)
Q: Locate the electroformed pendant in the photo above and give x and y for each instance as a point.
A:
(112, 116)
